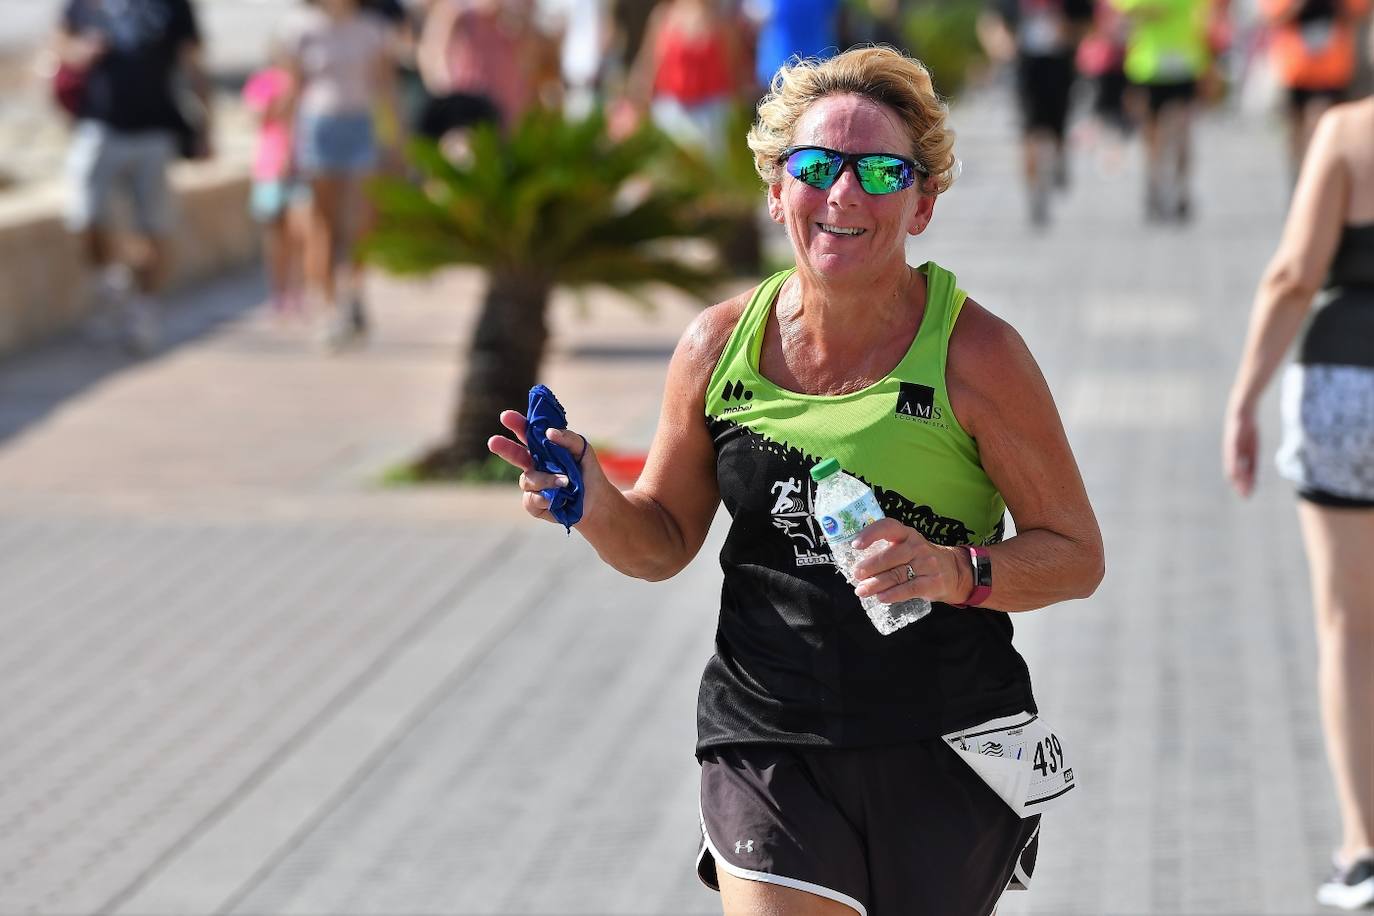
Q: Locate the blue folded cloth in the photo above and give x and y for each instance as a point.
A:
(544, 414)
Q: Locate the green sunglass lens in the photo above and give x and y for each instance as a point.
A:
(814, 167)
(883, 174)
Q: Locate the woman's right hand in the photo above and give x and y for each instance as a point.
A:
(1240, 448)
(516, 453)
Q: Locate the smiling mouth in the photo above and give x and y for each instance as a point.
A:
(841, 230)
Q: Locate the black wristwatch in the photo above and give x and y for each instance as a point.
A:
(982, 576)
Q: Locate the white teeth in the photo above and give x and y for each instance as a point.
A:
(838, 230)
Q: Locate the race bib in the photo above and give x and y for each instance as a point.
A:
(1020, 758)
(1317, 34)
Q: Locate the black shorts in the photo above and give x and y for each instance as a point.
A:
(1331, 500)
(455, 112)
(1162, 95)
(1043, 85)
(1298, 97)
(889, 831)
(1109, 99)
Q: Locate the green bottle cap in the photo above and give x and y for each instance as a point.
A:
(824, 469)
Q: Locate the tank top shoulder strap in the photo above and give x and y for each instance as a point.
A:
(741, 353)
(944, 301)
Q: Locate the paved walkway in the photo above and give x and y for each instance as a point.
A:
(243, 677)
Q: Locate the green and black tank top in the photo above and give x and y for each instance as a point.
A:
(797, 661)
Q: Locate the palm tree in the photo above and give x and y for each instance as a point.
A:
(555, 203)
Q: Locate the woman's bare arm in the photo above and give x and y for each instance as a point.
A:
(655, 529)
(1000, 397)
(1294, 275)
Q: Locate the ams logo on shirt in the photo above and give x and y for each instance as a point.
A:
(917, 402)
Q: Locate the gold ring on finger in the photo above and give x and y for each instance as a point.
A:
(910, 573)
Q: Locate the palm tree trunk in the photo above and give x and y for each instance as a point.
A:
(503, 364)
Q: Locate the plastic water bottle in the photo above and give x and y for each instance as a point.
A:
(844, 506)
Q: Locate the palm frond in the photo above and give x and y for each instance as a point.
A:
(555, 199)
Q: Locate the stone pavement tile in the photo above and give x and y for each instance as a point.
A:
(191, 687)
(582, 716)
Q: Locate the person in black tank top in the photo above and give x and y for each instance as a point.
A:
(834, 773)
(1327, 451)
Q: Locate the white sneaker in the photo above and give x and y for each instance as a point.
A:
(109, 292)
(334, 331)
(142, 325)
(1350, 887)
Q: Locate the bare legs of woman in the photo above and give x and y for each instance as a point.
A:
(1168, 153)
(282, 244)
(1339, 544)
(1042, 163)
(743, 897)
(329, 244)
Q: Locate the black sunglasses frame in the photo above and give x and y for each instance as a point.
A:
(851, 161)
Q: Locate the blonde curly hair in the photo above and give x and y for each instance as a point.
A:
(879, 73)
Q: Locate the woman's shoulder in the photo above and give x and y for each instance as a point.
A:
(1351, 116)
(1342, 134)
(984, 349)
(705, 338)
(990, 373)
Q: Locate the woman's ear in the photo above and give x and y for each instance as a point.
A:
(921, 216)
(775, 211)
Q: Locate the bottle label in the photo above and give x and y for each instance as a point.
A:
(845, 523)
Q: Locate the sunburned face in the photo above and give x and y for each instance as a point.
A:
(844, 230)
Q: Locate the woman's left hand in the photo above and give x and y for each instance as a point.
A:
(908, 566)
(1240, 449)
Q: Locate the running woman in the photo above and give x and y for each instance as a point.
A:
(828, 785)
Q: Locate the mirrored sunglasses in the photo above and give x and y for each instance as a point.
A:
(878, 173)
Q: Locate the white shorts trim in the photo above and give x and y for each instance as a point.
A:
(781, 880)
(1020, 881)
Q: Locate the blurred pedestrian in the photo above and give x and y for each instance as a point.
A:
(690, 71)
(343, 73)
(629, 19)
(790, 30)
(479, 60)
(1312, 49)
(1040, 38)
(403, 20)
(279, 198)
(1167, 57)
(1327, 449)
(1101, 58)
(583, 30)
(131, 56)
(875, 22)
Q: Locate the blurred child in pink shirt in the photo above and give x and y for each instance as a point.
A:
(277, 193)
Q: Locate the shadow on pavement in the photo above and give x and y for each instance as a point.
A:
(34, 384)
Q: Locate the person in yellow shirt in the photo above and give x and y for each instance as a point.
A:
(1166, 56)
